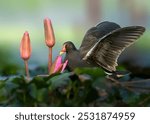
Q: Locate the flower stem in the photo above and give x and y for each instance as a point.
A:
(27, 69)
(49, 59)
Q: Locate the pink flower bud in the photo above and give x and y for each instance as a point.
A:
(58, 66)
(64, 66)
(58, 63)
(25, 47)
(49, 33)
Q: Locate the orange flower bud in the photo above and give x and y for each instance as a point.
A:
(25, 47)
(49, 33)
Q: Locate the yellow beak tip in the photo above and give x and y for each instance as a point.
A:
(60, 53)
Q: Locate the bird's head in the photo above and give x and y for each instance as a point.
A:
(67, 47)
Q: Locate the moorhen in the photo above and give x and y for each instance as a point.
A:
(101, 46)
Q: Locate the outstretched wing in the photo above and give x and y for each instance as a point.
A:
(107, 50)
(93, 35)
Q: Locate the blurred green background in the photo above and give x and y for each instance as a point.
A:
(70, 21)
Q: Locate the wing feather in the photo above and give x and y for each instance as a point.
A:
(94, 34)
(106, 51)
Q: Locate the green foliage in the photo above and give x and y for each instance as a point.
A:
(9, 69)
(83, 87)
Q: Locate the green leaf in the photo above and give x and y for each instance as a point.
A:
(10, 86)
(3, 95)
(32, 90)
(101, 83)
(2, 84)
(42, 95)
(93, 72)
(129, 97)
(59, 80)
(39, 82)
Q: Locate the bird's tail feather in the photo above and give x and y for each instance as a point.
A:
(138, 85)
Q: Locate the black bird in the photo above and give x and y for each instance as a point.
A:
(101, 46)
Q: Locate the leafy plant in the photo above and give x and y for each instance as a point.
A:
(83, 87)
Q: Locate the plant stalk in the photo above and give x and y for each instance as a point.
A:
(49, 59)
(27, 69)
